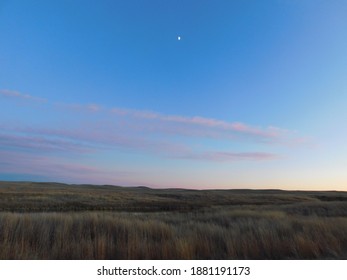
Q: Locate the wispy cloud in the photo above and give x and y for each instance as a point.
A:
(19, 95)
(42, 144)
(88, 108)
(55, 168)
(43, 141)
(201, 126)
(84, 139)
(232, 156)
(156, 122)
(143, 131)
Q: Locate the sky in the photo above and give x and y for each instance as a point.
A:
(253, 95)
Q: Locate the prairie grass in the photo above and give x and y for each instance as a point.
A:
(213, 235)
(57, 221)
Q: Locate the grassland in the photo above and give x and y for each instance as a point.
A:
(58, 221)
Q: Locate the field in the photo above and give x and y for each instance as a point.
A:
(58, 221)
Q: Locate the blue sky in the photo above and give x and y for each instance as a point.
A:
(254, 94)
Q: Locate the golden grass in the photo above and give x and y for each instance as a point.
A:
(58, 221)
(107, 235)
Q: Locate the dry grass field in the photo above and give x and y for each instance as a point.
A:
(58, 221)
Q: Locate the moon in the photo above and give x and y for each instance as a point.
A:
(179, 38)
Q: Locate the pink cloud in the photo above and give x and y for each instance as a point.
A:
(59, 169)
(88, 108)
(193, 124)
(42, 144)
(88, 139)
(231, 156)
(82, 141)
(18, 95)
(139, 130)
(175, 124)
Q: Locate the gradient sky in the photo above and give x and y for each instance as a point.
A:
(254, 95)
